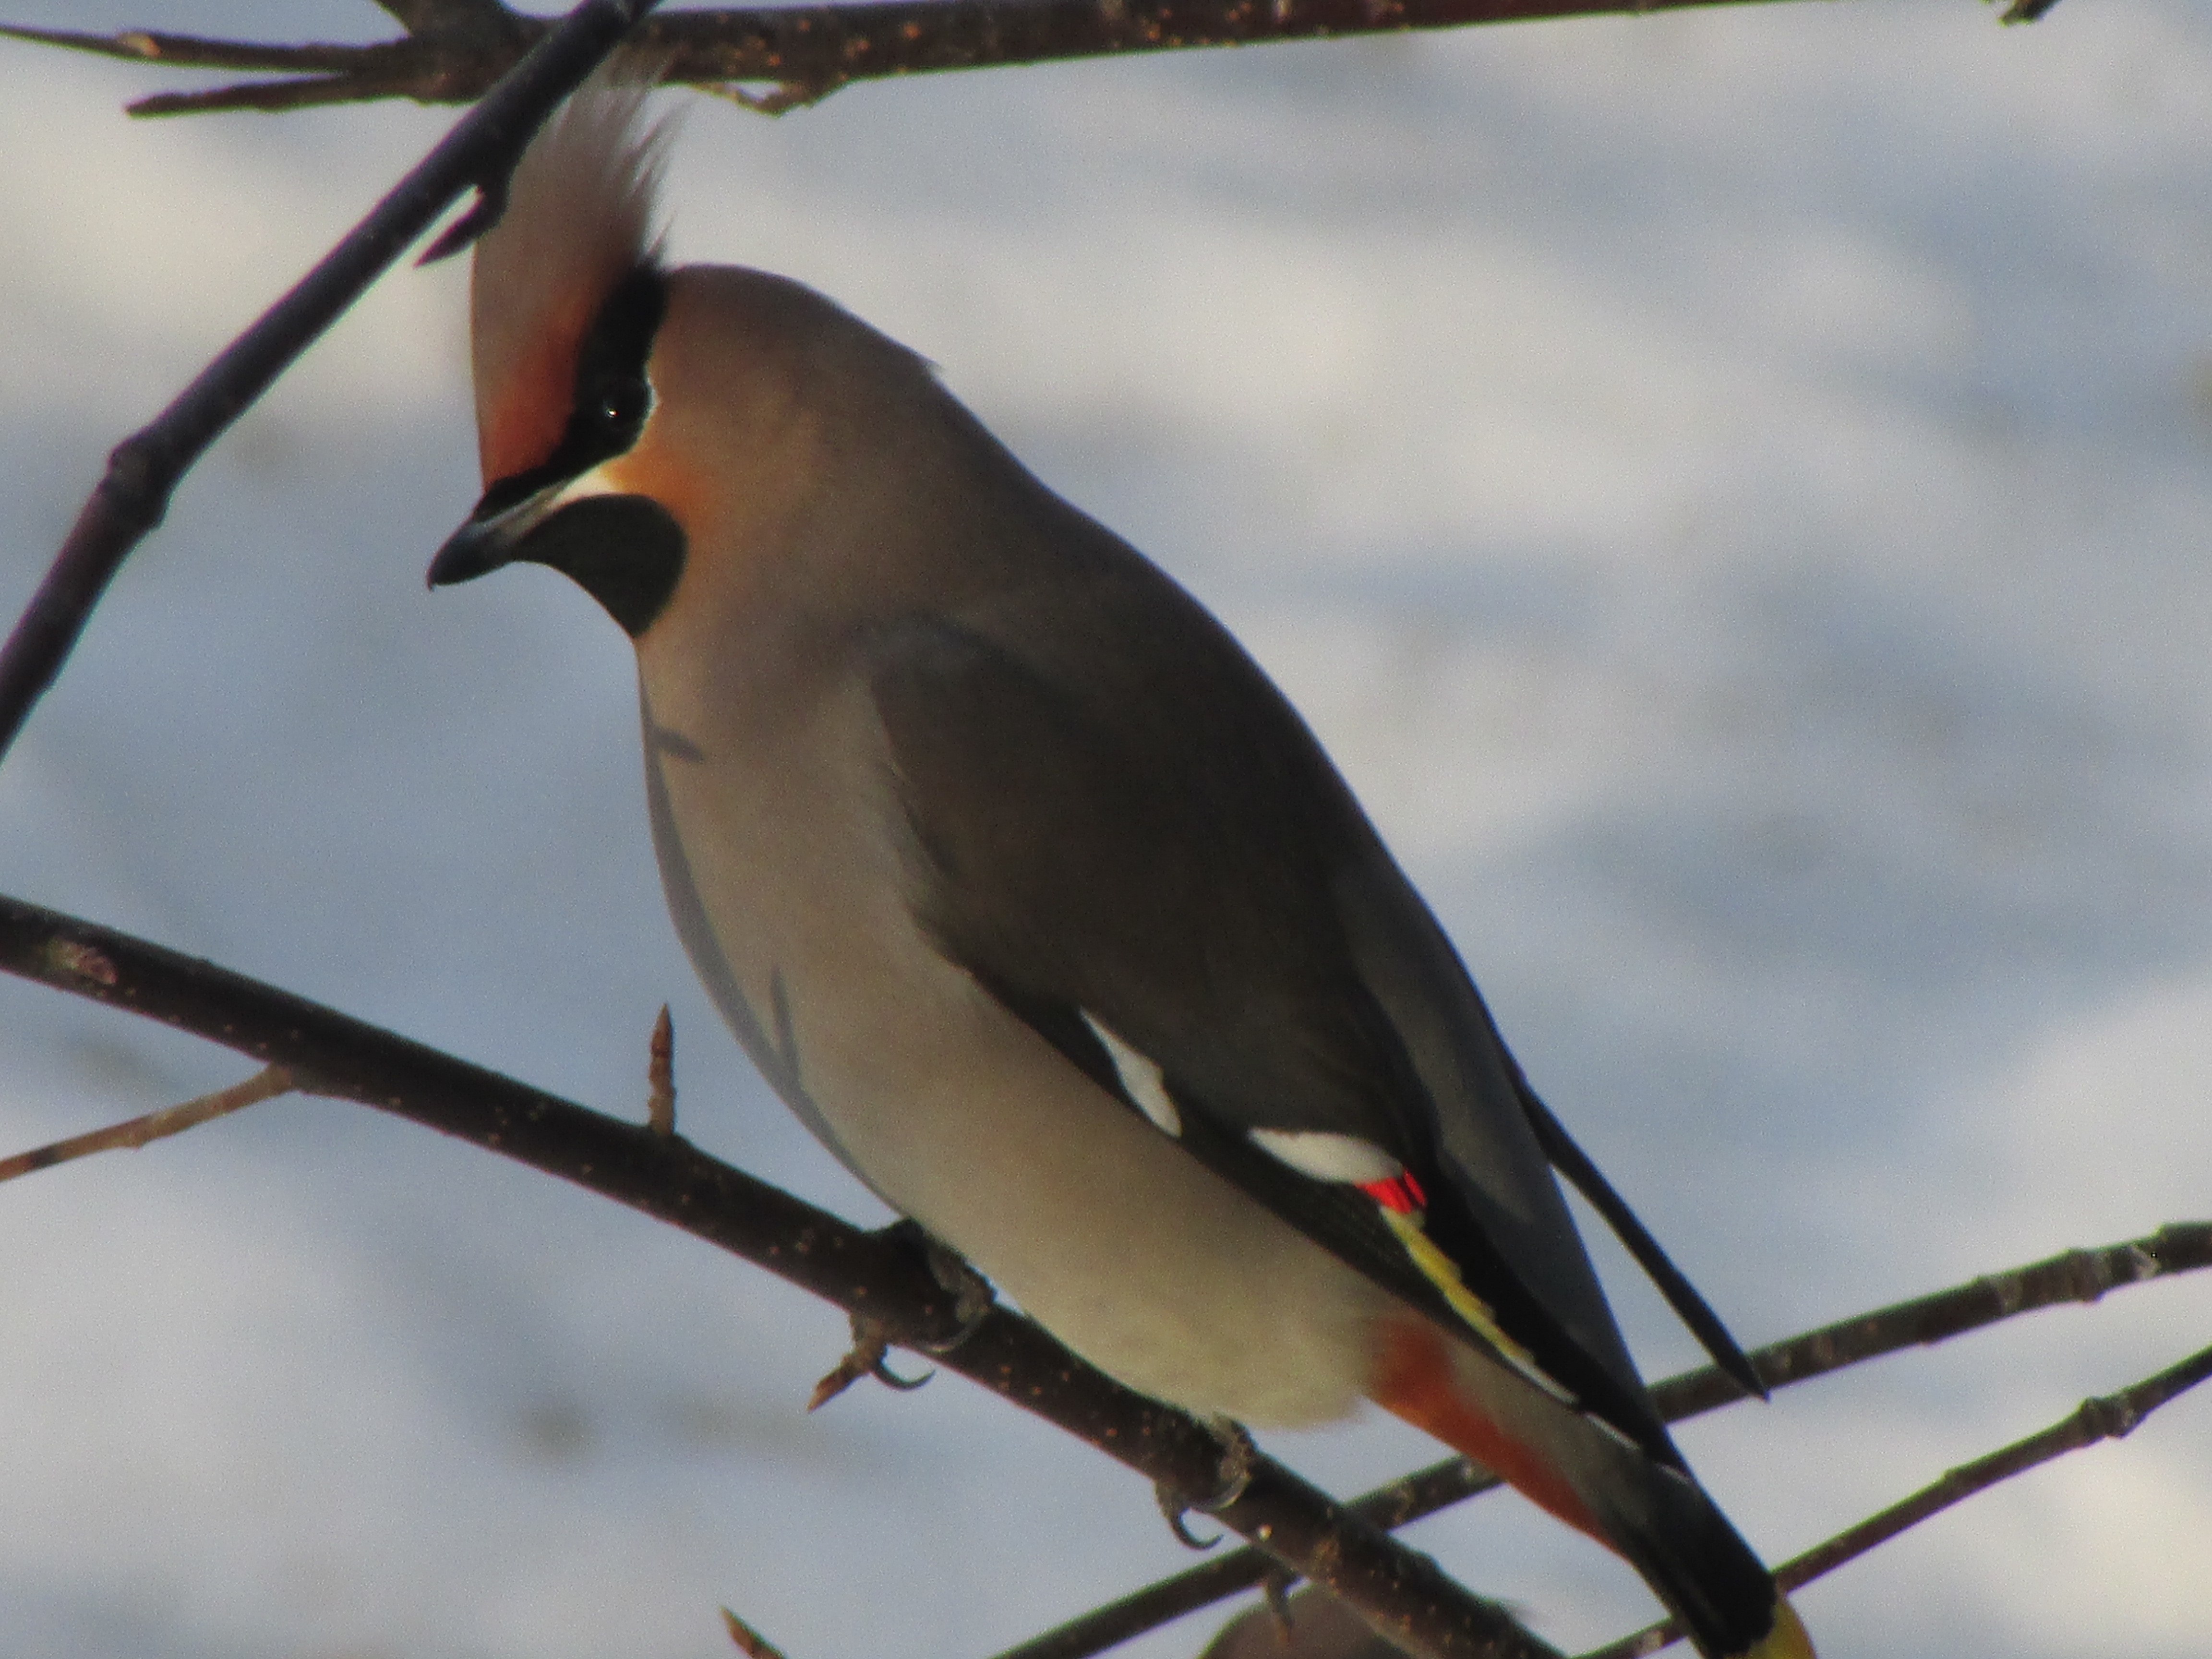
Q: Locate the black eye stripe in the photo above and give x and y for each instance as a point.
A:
(611, 397)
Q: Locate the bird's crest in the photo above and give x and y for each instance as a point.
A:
(579, 217)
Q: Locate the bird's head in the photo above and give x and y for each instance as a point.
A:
(567, 298)
(722, 427)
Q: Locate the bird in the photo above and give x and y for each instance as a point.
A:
(1034, 897)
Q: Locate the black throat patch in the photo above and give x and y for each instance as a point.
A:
(626, 551)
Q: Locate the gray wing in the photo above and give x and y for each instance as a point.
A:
(1114, 814)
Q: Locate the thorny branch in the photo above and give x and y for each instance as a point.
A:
(883, 1275)
(894, 1294)
(453, 49)
(2080, 1275)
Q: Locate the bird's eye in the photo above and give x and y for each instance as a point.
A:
(620, 404)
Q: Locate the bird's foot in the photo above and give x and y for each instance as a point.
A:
(973, 1297)
(1175, 1507)
(1239, 1460)
(1240, 1457)
(866, 1358)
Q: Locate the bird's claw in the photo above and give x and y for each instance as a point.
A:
(1239, 1459)
(890, 1379)
(1175, 1507)
(866, 1358)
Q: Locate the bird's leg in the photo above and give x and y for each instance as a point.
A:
(866, 1358)
(1235, 1470)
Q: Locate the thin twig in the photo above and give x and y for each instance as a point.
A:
(749, 1641)
(2081, 1275)
(2108, 1417)
(886, 1275)
(266, 1084)
(806, 52)
(143, 470)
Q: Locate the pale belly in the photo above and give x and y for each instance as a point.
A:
(1096, 1223)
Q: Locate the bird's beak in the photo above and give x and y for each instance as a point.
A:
(494, 532)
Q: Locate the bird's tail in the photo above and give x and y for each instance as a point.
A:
(1695, 1562)
(1656, 1517)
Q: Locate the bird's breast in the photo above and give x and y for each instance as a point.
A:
(781, 847)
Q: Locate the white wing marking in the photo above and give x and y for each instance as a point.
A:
(1327, 1157)
(1141, 1080)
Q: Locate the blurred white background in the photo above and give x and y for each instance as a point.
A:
(1732, 490)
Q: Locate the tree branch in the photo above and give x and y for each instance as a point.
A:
(887, 1284)
(2108, 1417)
(883, 1276)
(143, 470)
(2080, 1275)
(452, 51)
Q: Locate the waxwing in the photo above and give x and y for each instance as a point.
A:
(1031, 895)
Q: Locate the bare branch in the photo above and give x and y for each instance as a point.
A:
(451, 53)
(143, 470)
(2109, 1417)
(2081, 1275)
(887, 1275)
(266, 1084)
(887, 1279)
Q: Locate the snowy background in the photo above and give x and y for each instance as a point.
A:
(1732, 490)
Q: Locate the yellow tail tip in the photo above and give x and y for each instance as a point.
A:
(1787, 1640)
